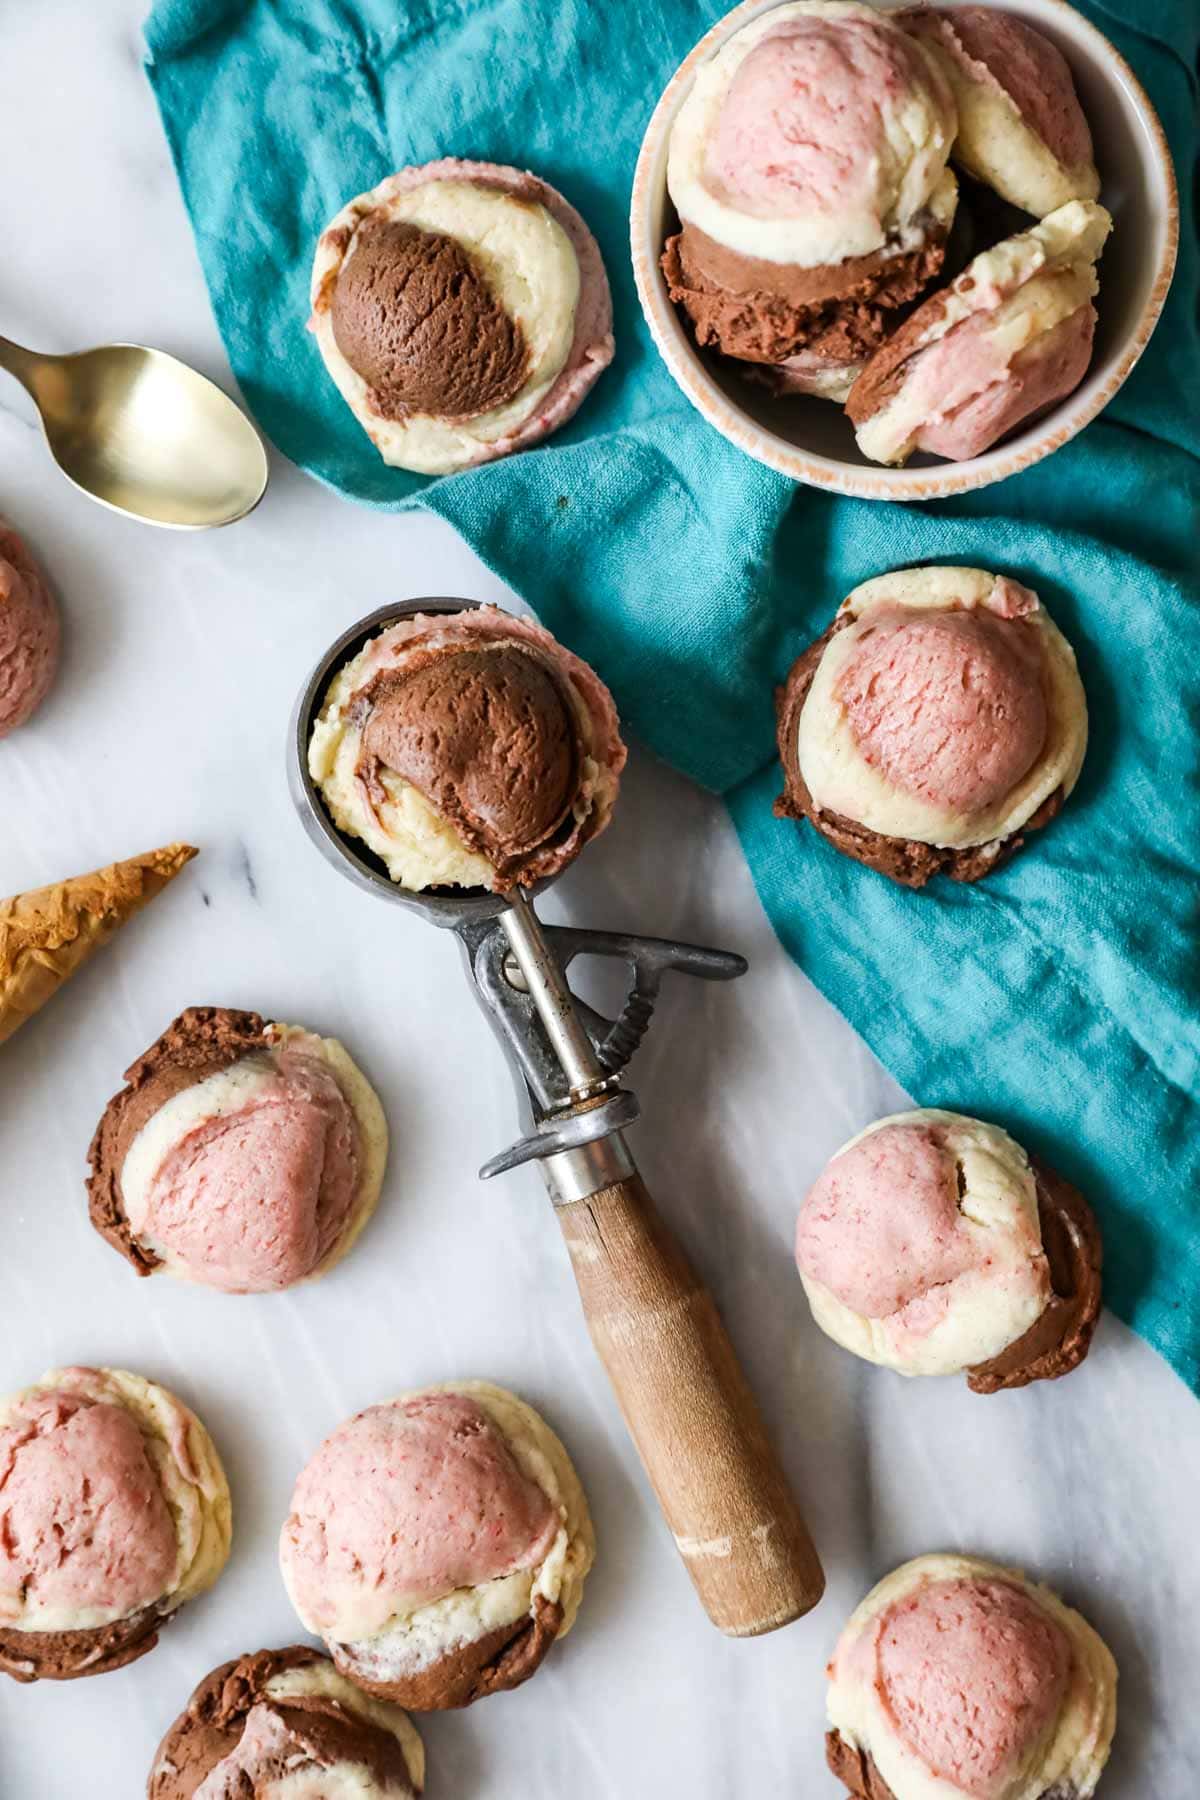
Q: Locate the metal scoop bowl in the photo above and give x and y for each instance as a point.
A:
(655, 1327)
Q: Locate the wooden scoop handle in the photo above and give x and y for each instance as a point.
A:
(691, 1414)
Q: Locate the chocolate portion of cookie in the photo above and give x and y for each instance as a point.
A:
(235, 1730)
(904, 860)
(492, 1664)
(487, 736)
(202, 1041)
(1058, 1341)
(69, 1655)
(763, 312)
(415, 316)
(855, 1769)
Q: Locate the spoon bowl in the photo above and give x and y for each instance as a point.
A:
(141, 432)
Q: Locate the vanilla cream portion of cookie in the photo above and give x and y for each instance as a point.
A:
(868, 125)
(832, 763)
(229, 1092)
(186, 1467)
(1025, 287)
(532, 271)
(1072, 1753)
(1000, 1281)
(414, 1640)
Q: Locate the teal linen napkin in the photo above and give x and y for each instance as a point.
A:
(1059, 997)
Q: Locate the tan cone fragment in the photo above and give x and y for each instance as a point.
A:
(48, 933)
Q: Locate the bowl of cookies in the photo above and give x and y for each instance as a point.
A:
(899, 250)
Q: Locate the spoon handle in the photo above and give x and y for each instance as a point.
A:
(19, 362)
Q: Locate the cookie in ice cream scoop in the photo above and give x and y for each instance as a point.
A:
(934, 1245)
(463, 1540)
(241, 1155)
(29, 632)
(960, 1678)
(936, 722)
(116, 1512)
(1007, 340)
(807, 167)
(463, 310)
(468, 750)
(1021, 128)
(285, 1721)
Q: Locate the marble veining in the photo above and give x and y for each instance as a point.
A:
(183, 658)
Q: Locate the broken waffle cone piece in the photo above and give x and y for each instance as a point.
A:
(50, 932)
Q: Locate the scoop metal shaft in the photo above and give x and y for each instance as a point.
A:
(556, 1008)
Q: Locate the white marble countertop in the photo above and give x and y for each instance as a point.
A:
(183, 658)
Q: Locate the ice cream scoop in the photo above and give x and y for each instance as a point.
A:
(958, 1677)
(1021, 128)
(1009, 338)
(937, 720)
(285, 1722)
(463, 311)
(116, 1512)
(29, 633)
(241, 1155)
(470, 751)
(932, 1244)
(691, 1414)
(808, 169)
(463, 1540)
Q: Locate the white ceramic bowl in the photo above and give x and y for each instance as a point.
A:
(811, 440)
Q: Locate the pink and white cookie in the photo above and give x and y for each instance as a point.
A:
(933, 1244)
(1007, 340)
(463, 1540)
(463, 310)
(936, 722)
(1021, 128)
(115, 1513)
(956, 1679)
(242, 1155)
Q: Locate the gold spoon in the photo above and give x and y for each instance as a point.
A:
(139, 431)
